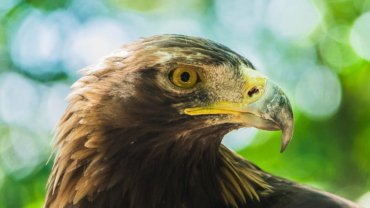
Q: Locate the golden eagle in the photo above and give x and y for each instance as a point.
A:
(144, 127)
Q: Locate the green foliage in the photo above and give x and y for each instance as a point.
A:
(330, 151)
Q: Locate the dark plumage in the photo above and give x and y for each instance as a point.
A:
(134, 136)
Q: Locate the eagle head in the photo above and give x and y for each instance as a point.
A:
(155, 111)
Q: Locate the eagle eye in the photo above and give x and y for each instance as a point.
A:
(184, 77)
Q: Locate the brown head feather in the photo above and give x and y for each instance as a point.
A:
(123, 142)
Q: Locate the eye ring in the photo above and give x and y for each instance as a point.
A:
(183, 77)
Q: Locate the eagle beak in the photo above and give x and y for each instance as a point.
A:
(272, 111)
(264, 106)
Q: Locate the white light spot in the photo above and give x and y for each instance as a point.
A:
(92, 41)
(285, 63)
(318, 93)
(36, 46)
(22, 154)
(240, 15)
(53, 105)
(292, 18)
(364, 200)
(18, 99)
(187, 26)
(360, 34)
(8, 4)
(239, 139)
(335, 49)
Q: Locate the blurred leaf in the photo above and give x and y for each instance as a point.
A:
(49, 5)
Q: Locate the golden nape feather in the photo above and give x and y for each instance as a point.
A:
(144, 127)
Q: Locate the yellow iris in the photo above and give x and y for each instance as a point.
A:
(184, 77)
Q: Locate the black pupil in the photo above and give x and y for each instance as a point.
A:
(185, 76)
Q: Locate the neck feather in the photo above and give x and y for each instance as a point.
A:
(105, 166)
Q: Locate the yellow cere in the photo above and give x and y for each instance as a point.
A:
(254, 87)
(255, 83)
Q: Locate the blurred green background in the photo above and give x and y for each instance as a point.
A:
(318, 51)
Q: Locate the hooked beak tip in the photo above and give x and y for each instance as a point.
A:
(287, 134)
(275, 105)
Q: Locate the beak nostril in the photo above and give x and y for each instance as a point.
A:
(253, 91)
